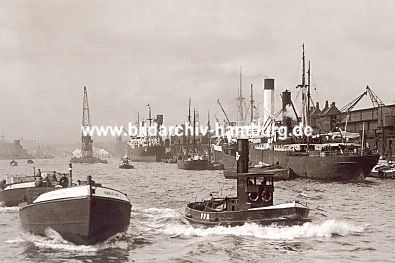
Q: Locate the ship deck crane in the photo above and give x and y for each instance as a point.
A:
(226, 115)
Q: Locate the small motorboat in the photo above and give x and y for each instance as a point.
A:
(84, 214)
(384, 169)
(13, 163)
(125, 164)
(253, 203)
(29, 161)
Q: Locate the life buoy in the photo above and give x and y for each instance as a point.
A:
(266, 195)
(64, 181)
(253, 197)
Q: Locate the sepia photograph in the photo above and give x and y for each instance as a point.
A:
(197, 131)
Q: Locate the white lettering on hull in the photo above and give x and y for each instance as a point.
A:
(109, 193)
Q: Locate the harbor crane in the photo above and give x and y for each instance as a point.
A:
(377, 104)
(87, 149)
(226, 115)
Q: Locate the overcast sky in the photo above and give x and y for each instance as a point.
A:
(130, 53)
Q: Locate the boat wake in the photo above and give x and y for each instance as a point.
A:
(54, 241)
(171, 222)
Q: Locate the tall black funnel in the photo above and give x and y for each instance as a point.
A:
(242, 155)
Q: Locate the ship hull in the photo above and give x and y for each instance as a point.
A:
(147, 154)
(193, 164)
(198, 165)
(82, 220)
(331, 168)
(293, 214)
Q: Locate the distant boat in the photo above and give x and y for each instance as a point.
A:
(196, 161)
(84, 214)
(13, 163)
(89, 160)
(125, 164)
(253, 203)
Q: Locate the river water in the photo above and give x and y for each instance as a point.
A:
(352, 222)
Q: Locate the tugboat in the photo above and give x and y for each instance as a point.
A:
(125, 164)
(14, 191)
(254, 201)
(13, 163)
(84, 214)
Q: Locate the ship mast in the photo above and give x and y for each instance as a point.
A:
(194, 136)
(240, 98)
(189, 123)
(303, 88)
(209, 135)
(308, 96)
(252, 104)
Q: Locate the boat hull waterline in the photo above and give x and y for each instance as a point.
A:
(283, 214)
(331, 168)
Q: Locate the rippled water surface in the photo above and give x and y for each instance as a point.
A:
(352, 222)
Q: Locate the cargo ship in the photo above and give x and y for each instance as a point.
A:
(145, 147)
(321, 157)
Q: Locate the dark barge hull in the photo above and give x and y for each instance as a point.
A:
(82, 221)
(281, 216)
(87, 160)
(198, 165)
(331, 168)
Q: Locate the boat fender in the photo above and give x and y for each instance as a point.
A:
(64, 181)
(266, 196)
(253, 197)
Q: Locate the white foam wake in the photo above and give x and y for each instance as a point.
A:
(327, 228)
(11, 209)
(53, 240)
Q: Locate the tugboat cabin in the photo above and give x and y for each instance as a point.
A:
(254, 190)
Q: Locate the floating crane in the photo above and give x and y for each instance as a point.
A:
(87, 149)
(226, 115)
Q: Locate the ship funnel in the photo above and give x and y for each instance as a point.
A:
(287, 109)
(242, 155)
(268, 99)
